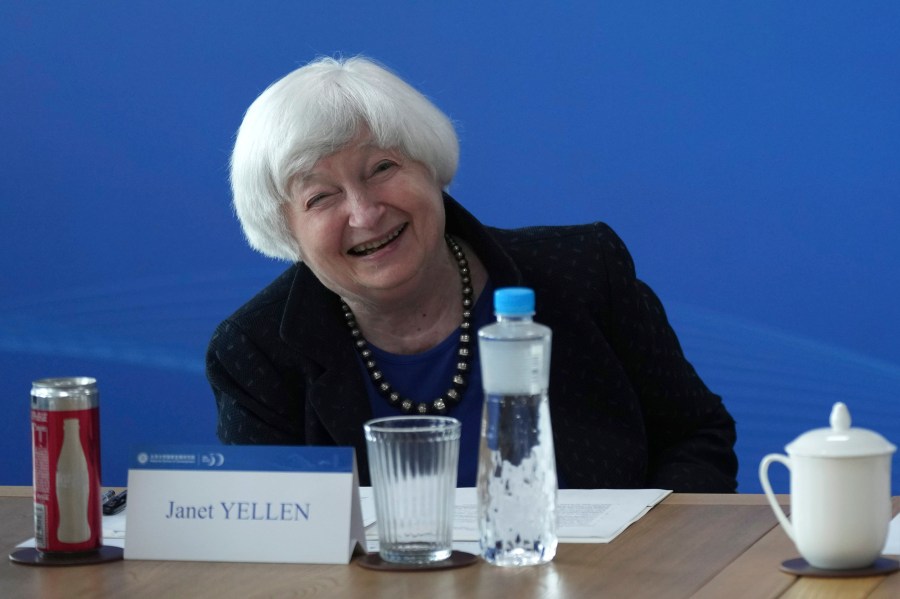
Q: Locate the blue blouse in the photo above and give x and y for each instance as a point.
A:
(425, 376)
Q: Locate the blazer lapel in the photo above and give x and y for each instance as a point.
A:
(314, 324)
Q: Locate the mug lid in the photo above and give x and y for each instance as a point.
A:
(840, 441)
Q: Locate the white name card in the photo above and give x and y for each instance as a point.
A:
(234, 503)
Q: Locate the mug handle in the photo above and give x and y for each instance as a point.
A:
(770, 496)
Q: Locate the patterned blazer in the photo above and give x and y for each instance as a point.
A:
(628, 410)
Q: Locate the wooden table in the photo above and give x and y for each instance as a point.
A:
(688, 546)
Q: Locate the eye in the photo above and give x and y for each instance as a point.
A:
(315, 200)
(383, 165)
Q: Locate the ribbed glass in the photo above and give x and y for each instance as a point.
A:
(413, 462)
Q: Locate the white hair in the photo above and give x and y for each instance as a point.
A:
(311, 113)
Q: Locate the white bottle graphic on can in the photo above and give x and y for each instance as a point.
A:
(72, 486)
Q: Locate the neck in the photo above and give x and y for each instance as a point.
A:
(423, 318)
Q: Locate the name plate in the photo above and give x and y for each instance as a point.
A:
(287, 504)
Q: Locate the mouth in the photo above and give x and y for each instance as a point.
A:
(370, 247)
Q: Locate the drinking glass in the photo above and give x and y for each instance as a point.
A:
(412, 462)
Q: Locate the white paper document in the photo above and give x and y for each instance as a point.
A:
(585, 515)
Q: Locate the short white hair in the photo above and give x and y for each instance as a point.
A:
(311, 113)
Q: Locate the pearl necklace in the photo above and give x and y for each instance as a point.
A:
(460, 380)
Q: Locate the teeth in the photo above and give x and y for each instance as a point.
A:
(367, 248)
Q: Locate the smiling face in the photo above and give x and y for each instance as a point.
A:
(369, 222)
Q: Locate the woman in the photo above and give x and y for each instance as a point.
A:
(340, 167)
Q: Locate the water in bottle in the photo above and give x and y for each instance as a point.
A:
(516, 464)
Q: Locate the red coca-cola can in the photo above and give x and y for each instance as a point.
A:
(65, 441)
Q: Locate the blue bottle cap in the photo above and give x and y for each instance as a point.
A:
(514, 300)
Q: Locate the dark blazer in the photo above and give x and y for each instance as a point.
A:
(627, 409)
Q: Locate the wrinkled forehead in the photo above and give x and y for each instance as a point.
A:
(358, 148)
(354, 134)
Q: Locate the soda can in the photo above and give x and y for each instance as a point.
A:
(65, 438)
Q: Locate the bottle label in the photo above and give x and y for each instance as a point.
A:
(66, 459)
(514, 367)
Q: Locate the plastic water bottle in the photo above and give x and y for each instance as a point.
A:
(516, 464)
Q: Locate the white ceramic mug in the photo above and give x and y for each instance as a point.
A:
(840, 494)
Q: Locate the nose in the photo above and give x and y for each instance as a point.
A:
(364, 209)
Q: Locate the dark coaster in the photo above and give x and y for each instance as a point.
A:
(32, 557)
(801, 567)
(457, 559)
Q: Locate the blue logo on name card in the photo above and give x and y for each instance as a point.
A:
(253, 458)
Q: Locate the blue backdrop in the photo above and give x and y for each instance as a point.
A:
(748, 154)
